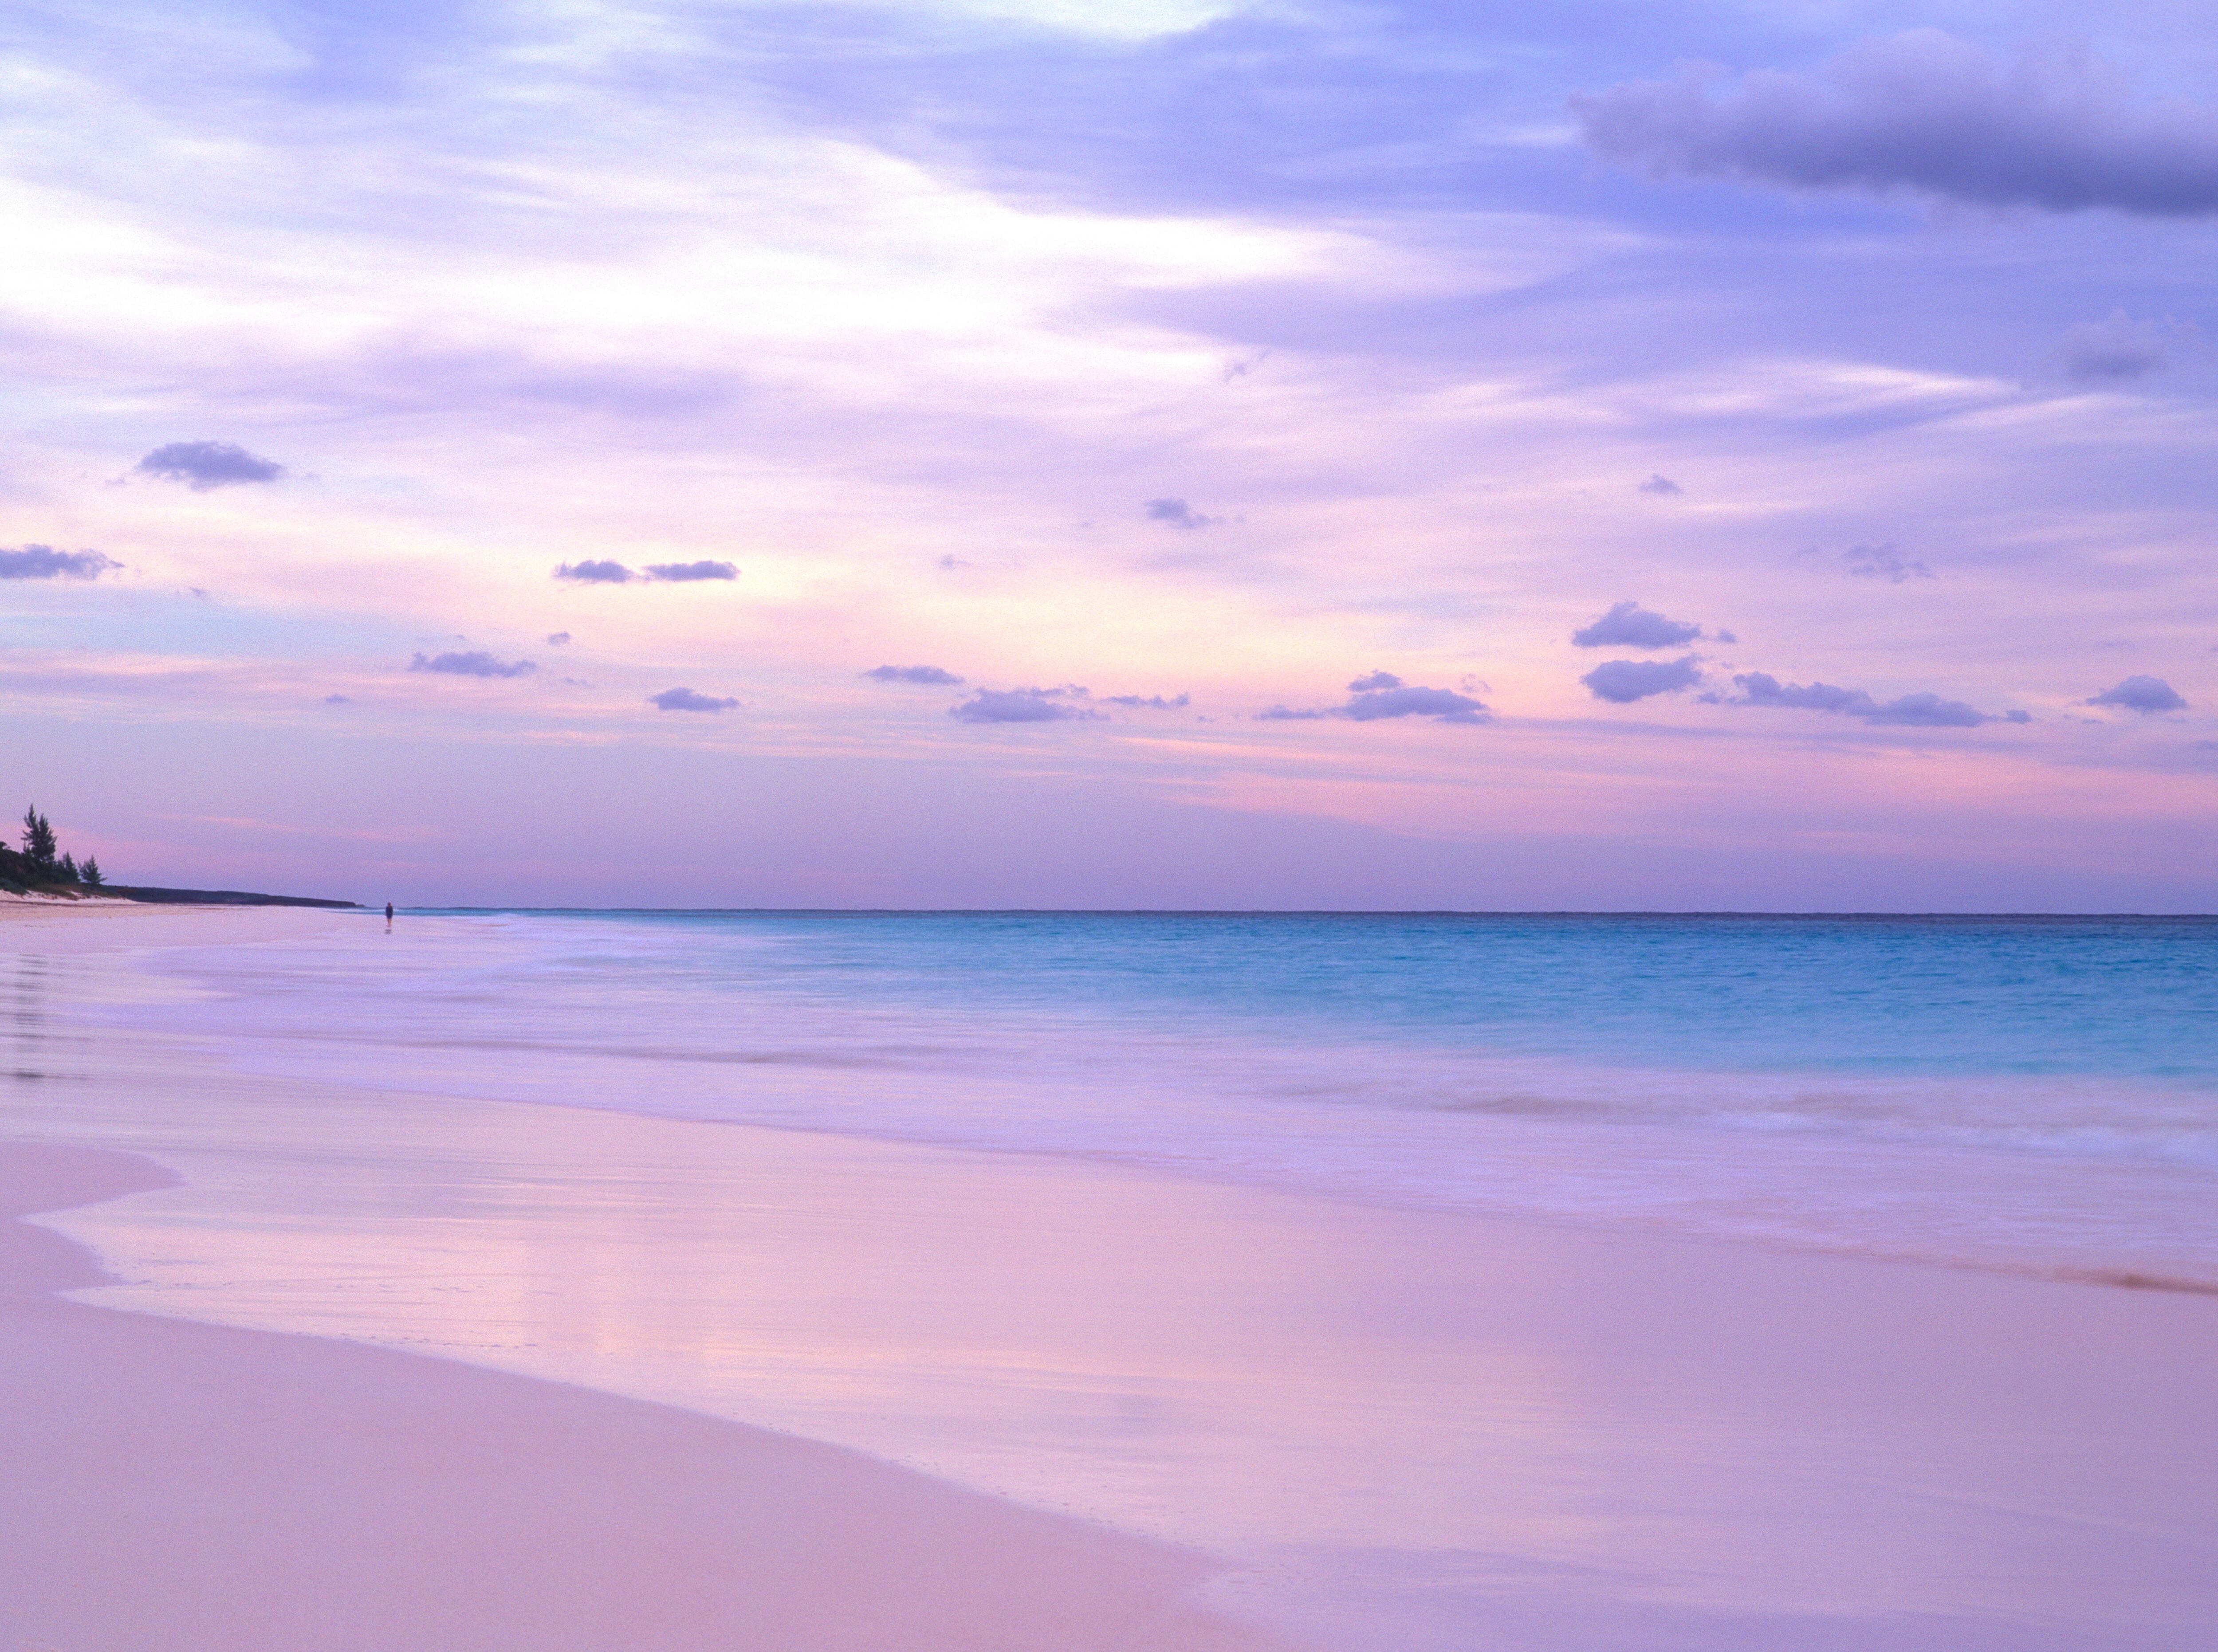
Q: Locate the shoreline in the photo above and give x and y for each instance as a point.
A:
(1408, 1429)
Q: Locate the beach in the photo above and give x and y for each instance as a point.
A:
(381, 1365)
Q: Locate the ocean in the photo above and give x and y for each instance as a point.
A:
(2028, 1094)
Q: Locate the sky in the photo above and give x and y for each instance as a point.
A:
(1179, 454)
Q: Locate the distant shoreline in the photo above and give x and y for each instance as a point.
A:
(148, 896)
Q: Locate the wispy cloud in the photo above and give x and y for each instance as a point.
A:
(1177, 513)
(1884, 562)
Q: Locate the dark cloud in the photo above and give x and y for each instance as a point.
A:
(687, 700)
(687, 573)
(1628, 625)
(337, 700)
(1023, 706)
(45, 562)
(2120, 348)
(596, 573)
(1177, 513)
(1910, 711)
(2146, 695)
(926, 674)
(1659, 483)
(1926, 111)
(1883, 562)
(1621, 682)
(1149, 703)
(477, 663)
(204, 464)
(558, 638)
(1376, 680)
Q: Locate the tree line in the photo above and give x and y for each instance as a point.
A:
(42, 861)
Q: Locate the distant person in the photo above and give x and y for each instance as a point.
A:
(389, 914)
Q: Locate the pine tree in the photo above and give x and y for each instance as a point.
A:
(88, 874)
(68, 869)
(37, 840)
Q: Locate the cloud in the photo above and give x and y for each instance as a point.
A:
(1023, 706)
(1621, 682)
(476, 663)
(1149, 703)
(604, 573)
(2146, 695)
(1376, 680)
(1659, 483)
(1378, 704)
(558, 638)
(687, 573)
(1923, 111)
(596, 573)
(45, 562)
(337, 700)
(1911, 710)
(1628, 625)
(1883, 562)
(687, 700)
(931, 675)
(1177, 513)
(2120, 348)
(952, 561)
(204, 464)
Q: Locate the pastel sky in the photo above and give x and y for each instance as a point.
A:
(1167, 453)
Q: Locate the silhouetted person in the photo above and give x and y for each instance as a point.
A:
(389, 914)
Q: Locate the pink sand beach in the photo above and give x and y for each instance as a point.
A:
(368, 1369)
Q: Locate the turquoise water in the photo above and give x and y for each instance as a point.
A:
(2021, 1092)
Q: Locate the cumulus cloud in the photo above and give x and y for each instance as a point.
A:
(687, 573)
(45, 562)
(596, 573)
(1621, 682)
(1399, 700)
(1923, 111)
(203, 465)
(2120, 348)
(1883, 562)
(2146, 695)
(1024, 706)
(477, 663)
(1628, 625)
(1177, 513)
(1910, 710)
(603, 573)
(1659, 483)
(930, 675)
(1149, 703)
(687, 700)
(1376, 680)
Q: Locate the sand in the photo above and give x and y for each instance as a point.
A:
(186, 1487)
(1391, 1429)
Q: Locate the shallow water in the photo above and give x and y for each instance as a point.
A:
(2036, 1094)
